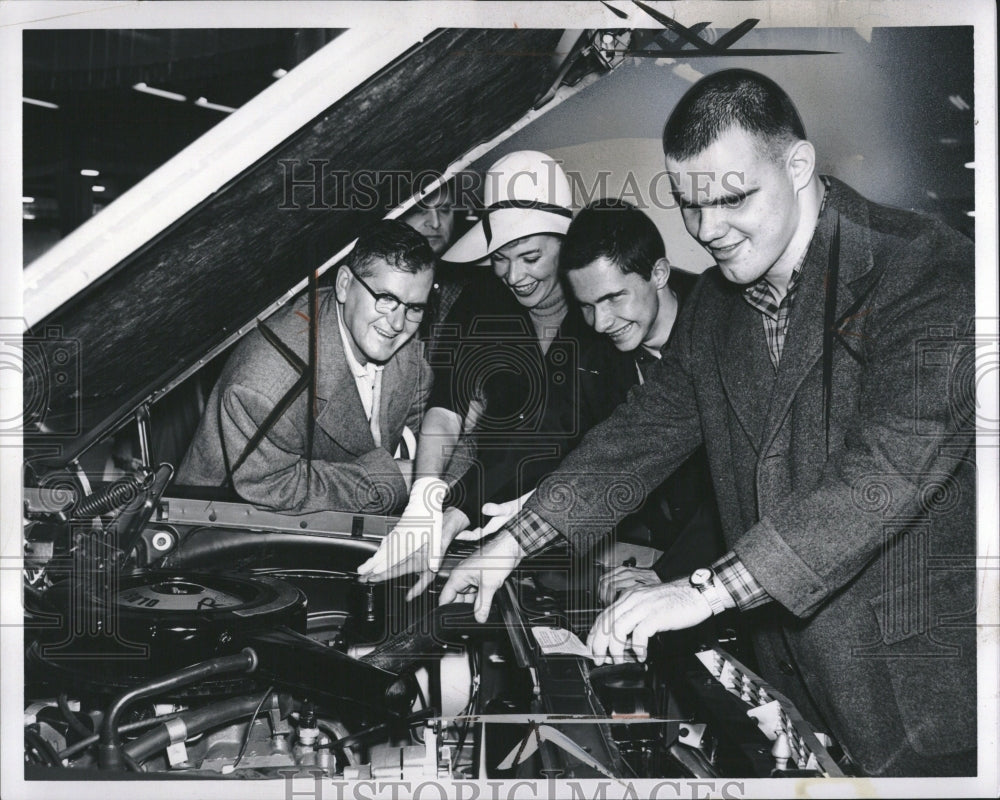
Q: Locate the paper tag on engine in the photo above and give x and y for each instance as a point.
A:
(559, 641)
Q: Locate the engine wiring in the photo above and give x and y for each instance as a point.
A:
(418, 737)
(253, 718)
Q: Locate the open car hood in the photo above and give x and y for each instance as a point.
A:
(118, 338)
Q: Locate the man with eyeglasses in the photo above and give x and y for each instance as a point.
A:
(279, 444)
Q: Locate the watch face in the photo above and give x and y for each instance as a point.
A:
(701, 576)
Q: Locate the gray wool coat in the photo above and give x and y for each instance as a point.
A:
(845, 480)
(347, 471)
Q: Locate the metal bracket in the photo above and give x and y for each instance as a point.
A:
(692, 734)
(215, 513)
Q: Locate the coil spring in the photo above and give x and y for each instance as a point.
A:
(117, 494)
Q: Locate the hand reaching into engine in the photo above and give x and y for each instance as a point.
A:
(622, 579)
(453, 522)
(418, 560)
(419, 529)
(480, 575)
(640, 613)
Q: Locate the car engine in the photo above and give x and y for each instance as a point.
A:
(197, 637)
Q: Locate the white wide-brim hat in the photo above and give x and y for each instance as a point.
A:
(526, 193)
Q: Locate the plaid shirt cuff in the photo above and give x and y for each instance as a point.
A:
(531, 531)
(740, 584)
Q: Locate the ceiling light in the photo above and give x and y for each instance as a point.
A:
(142, 87)
(932, 194)
(201, 102)
(279, 73)
(42, 103)
(970, 164)
(97, 188)
(970, 213)
(27, 199)
(90, 173)
(949, 140)
(28, 215)
(958, 102)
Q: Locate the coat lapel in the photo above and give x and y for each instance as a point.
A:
(397, 392)
(744, 366)
(341, 415)
(805, 338)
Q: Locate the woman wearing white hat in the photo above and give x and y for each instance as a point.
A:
(519, 370)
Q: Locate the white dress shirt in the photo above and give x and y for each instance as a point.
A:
(368, 378)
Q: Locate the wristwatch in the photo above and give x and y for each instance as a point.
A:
(703, 580)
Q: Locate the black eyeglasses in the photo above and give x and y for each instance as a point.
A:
(386, 303)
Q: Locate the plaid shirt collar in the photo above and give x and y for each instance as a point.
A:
(760, 295)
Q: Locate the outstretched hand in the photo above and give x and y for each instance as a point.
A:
(454, 522)
(418, 561)
(480, 575)
(499, 514)
(622, 579)
(419, 529)
(642, 612)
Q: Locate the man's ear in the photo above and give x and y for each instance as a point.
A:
(801, 163)
(342, 283)
(660, 273)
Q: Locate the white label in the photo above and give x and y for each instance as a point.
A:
(559, 641)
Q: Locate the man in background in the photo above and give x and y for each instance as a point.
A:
(434, 218)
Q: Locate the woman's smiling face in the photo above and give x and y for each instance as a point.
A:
(529, 267)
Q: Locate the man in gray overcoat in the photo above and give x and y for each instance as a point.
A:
(826, 364)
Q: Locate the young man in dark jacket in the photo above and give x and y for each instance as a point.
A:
(614, 260)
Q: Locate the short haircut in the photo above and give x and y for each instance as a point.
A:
(733, 98)
(615, 230)
(396, 243)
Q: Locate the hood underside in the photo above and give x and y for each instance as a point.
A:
(190, 287)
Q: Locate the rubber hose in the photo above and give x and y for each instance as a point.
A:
(195, 721)
(74, 721)
(33, 738)
(110, 748)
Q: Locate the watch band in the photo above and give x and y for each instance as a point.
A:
(703, 580)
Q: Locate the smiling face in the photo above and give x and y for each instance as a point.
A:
(622, 307)
(376, 336)
(530, 268)
(741, 205)
(433, 218)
